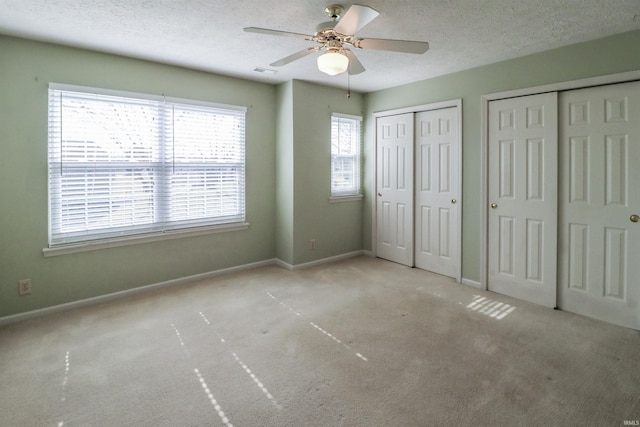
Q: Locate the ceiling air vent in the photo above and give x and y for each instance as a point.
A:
(264, 70)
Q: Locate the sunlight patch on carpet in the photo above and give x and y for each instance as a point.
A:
(337, 340)
(67, 366)
(257, 381)
(65, 381)
(212, 399)
(330, 335)
(209, 323)
(184, 347)
(495, 309)
(283, 304)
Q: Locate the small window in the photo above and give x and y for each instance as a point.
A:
(345, 155)
(123, 164)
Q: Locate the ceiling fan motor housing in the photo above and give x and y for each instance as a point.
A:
(334, 11)
(325, 27)
(324, 30)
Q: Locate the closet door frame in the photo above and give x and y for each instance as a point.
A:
(485, 99)
(457, 103)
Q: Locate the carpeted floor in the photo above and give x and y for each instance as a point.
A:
(360, 342)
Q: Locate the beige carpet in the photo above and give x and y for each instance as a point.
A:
(361, 342)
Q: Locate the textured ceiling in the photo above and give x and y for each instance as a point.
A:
(208, 34)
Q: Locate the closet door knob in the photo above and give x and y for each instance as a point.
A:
(494, 205)
(379, 194)
(634, 218)
(454, 201)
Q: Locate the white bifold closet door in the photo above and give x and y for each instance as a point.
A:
(436, 191)
(522, 172)
(418, 188)
(394, 204)
(600, 203)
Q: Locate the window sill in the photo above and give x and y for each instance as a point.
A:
(135, 240)
(348, 198)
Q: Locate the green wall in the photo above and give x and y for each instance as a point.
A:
(336, 227)
(26, 68)
(284, 174)
(610, 55)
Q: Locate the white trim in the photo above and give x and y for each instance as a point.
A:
(484, 142)
(419, 108)
(281, 263)
(146, 238)
(458, 106)
(369, 254)
(75, 238)
(567, 85)
(291, 267)
(484, 182)
(346, 198)
(472, 283)
(147, 96)
(341, 195)
(129, 292)
(453, 103)
(346, 116)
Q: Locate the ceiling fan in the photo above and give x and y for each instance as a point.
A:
(332, 36)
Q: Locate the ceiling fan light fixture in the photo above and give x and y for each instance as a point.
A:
(333, 62)
(333, 35)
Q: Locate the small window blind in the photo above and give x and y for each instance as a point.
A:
(124, 164)
(345, 154)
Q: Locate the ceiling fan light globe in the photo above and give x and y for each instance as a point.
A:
(333, 63)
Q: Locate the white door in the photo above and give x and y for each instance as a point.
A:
(523, 198)
(437, 191)
(599, 194)
(394, 207)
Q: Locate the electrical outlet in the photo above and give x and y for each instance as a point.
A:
(312, 244)
(24, 287)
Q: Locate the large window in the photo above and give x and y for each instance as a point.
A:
(345, 155)
(124, 164)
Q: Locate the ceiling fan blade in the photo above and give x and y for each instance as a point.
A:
(405, 46)
(355, 66)
(276, 33)
(295, 56)
(355, 18)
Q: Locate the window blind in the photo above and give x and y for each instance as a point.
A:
(345, 154)
(123, 165)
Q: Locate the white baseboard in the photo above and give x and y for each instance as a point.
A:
(129, 292)
(319, 261)
(471, 283)
(283, 264)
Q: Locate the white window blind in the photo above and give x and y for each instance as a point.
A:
(125, 164)
(345, 154)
